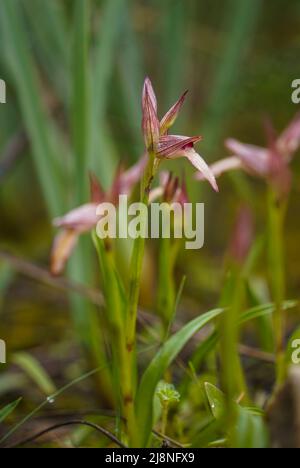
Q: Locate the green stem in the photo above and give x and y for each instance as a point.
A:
(164, 418)
(129, 382)
(277, 209)
(166, 284)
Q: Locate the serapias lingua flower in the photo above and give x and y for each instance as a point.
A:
(165, 146)
(271, 163)
(84, 219)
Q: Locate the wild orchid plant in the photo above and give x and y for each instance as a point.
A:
(122, 308)
(273, 165)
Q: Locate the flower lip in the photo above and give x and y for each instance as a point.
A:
(170, 145)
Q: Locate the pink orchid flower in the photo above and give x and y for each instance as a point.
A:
(169, 189)
(84, 218)
(271, 163)
(165, 146)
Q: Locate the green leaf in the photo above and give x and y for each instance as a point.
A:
(7, 410)
(34, 370)
(216, 400)
(250, 430)
(157, 368)
(80, 100)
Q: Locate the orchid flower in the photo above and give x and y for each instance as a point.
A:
(270, 163)
(84, 218)
(169, 189)
(165, 146)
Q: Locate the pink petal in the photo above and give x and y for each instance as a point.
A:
(171, 145)
(148, 92)
(155, 194)
(199, 163)
(81, 219)
(170, 117)
(254, 158)
(225, 165)
(150, 123)
(62, 249)
(289, 142)
(97, 193)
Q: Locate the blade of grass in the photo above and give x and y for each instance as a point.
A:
(34, 370)
(8, 409)
(80, 99)
(16, 49)
(50, 400)
(105, 51)
(50, 39)
(240, 23)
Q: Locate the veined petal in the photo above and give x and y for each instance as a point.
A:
(173, 145)
(148, 92)
(169, 119)
(224, 165)
(81, 219)
(289, 142)
(62, 249)
(254, 158)
(198, 162)
(150, 125)
(150, 122)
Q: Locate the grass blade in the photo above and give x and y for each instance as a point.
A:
(34, 370)
(35, 118)
(7, 410)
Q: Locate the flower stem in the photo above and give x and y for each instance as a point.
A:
(129, 384)
(277, 209)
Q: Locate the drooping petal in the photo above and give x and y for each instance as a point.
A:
(169, 119)
(62, 249)
(172, 145)
(224, 165)
(254, 158)
(81, 219)
(150, 122)
(199, 163)
(289, 142)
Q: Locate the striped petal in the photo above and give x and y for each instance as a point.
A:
(171, 145)
(198, 162)
(171, 116)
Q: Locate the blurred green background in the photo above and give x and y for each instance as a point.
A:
(74, 71)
